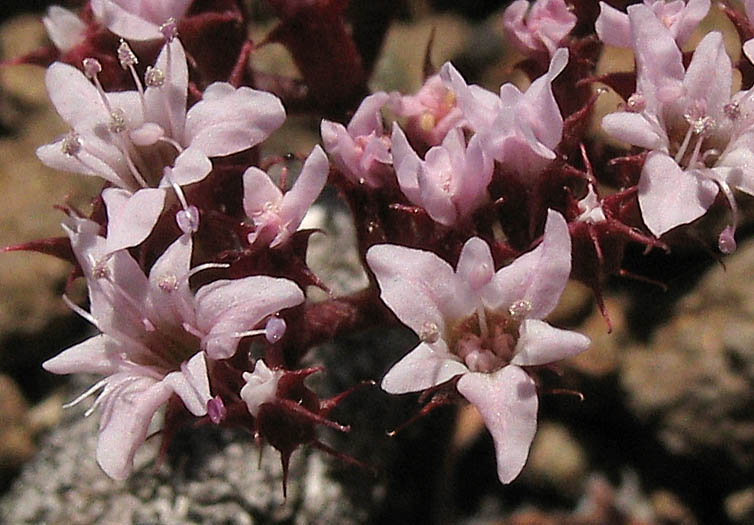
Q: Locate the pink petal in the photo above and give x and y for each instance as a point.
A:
(613, 27)
(228, 120)
(479, 106)
(693, 13)
(166, 104)
(97, 355)
(537, 277)
(75, 98)
(472, 183)
(407, 165)
(422, 289)
(171, 298)
(126, 415)
(225, 308)
(424, 367)
(539, 104)
(539, 344)
(700, 85)
(64, 27)
(507, 401)
(305, 190)
(124, 22)
(658, 59)
(131, 217)
(190, 166)
(191, 384)
(367, 118)
(259, 191)
(669, 197)
(475, 265)
(637, 129)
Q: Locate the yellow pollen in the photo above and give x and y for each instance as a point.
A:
(427, 122)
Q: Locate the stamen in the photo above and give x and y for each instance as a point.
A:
(636, 103)
(274, 329)
(429, 333)
(128, 60)
(154, 77)
(520, 309)
(484, 332)
(205, 266)
(732, 110)
(117, 122)
(188, 220)
(81, 312)
(727, 240)
(71, 144)
(126, 57)
(169, 29)
(427, 121)
(88, 392)
(216, 410)
(92, 68)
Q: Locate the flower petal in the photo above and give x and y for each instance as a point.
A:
(97, 355)
(423, 367)
(191, 384)
(228, 119)
(127, 410)
(225, 308)
(539, 344)
(422, 289)
(131, 216)
(507, 401)
(537, 277)
(669, 197)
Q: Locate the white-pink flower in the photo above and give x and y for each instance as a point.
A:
(260, 386)
(431, 112)
(158, 337)
(145, 142)
(678, 17)
(700, 136)
(277, 216)
(539, 27)
(138, 19)
(520, 130)
(450, 183)
(483, 326)
(362, 150)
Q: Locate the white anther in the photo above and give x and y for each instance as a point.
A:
(71, 144)
(117, 122)
(126, 57)
(154, 77)
(92, 67)
(429, 333)
(520, 309)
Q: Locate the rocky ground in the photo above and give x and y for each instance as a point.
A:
(664, 434)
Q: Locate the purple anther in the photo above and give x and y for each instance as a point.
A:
(727, 241)
(274, 329)
(188, 219)
(216, 410)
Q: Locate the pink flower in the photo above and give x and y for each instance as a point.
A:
(541, 27)
(678, 18)
(64, 27)
(137, 19)
(520, 130)
(157, 335)
(145, 142)
(277, 216)
(362, 150)
(699, 136)
(483, 326)
(431, 112)
(451, 183)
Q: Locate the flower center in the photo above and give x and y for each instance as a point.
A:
(486, 341)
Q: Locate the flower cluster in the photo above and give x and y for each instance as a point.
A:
(472, 207)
